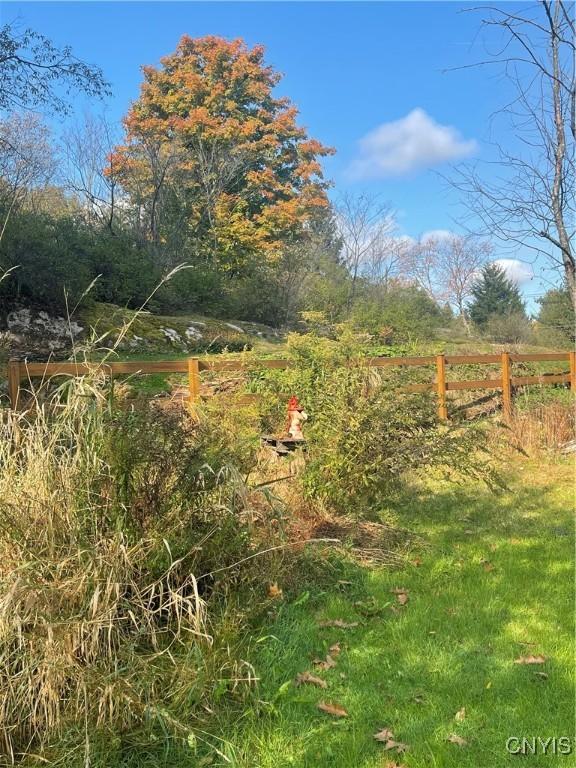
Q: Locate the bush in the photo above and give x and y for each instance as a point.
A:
(509, 329)
(365, 435)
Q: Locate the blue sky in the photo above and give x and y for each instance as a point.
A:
(369, 79)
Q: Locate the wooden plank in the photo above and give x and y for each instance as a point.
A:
(474, 384)
(546, 378)
(82, 369)
(193, 380)
(149, 366)
(540, 356)
(471, 359)
(381, 362)
(14, 383)
(417, 388)
(241, 365)
(506, 387)
(46, 370)
(441, 387)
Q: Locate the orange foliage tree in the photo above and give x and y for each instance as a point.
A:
(213, 161)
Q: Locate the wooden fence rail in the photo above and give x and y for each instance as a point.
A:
(193, 367)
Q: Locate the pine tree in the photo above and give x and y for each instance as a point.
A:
(493, 294)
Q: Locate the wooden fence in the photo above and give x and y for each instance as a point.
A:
(19, 371)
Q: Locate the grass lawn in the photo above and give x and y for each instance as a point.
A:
(492, 581)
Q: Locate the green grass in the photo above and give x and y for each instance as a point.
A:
(452, 647)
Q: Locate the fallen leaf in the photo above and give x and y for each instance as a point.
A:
(332, 709)
(338, 623)
(455, 739)
(417, 562)
(384, 735)
(543, 675)
(335, 649)
(327, 663)
(530, 660)
(419, 699)
(487, 567)
(402, 598)
(397, 745)
(399, 591)
(274, 591)
(460, 715)
(306, 677)
(394, 765)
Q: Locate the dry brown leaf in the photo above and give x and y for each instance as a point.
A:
(530, 660)
(332, 709)
(306, 677)
(401, 594)
(460, 715)
(488, 567)
(394, 765)
(417, 562)
(402, 598)
(328, 663)
(384, 735)
(274, 591)
(397, 745)
(338, 623)
(335, 649)
(455, 739)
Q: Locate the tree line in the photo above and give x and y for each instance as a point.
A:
(212, 171)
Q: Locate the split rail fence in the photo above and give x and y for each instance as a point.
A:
(19, 371)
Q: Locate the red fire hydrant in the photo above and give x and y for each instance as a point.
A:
(296, 417)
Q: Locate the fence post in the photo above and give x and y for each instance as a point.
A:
(506, 387)
(573, 371)
(14, 383)
(193, 380)
(441, 387)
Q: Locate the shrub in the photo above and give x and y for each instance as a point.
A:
(365, 435)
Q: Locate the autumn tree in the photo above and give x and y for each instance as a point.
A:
(212, 156)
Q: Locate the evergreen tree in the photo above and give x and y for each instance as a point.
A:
(556, 320)
(493, 294)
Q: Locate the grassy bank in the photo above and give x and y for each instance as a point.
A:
(489, 584)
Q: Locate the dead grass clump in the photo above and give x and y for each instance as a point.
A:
(545, 426)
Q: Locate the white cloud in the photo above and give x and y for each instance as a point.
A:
(517, 271)
(415, 142)
(437, 234)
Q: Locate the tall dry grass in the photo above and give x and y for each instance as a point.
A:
(543, 421)
(103, 628)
